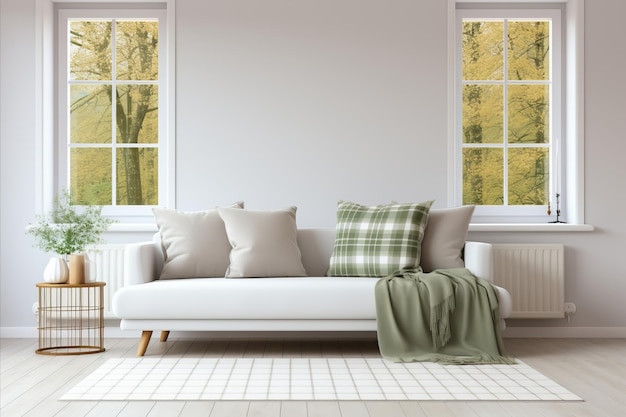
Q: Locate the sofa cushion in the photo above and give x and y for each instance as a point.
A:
(195, 244)
(375, 241)
(281, 298)
(264, 243)
(444, 238)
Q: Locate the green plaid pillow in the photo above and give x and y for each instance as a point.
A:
(379, 240)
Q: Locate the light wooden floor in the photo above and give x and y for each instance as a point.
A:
(594, 369)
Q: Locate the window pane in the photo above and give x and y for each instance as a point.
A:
(528, 114)
(90, 113)
(483, 45)
(90, 50)
(528, 176)
(90, 176)
(529, 47)
(483, 174)
(483, 113)
(137, 114)
(137, 50)
(137, 176)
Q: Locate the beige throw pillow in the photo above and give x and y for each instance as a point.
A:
(264, 243)
(444, 238)
(195, 244)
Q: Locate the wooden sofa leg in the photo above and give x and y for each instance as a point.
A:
(164, 335)
(143, 343)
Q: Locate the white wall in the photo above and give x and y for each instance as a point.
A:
(304, 103)
(20, 265)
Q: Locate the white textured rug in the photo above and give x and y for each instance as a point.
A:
(312, 379)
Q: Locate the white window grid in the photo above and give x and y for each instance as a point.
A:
(65, 16)
(512, 213)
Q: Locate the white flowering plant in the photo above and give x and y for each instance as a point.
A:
(68, 228)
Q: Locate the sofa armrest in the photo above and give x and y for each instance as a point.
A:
(142, 262)
(479, 259)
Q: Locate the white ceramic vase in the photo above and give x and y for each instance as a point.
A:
(56, 272)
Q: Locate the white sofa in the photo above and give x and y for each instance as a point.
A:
(312, 303)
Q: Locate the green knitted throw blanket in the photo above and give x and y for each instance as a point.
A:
(447, 316)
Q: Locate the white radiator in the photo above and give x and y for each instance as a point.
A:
(533, 274)
(105, 263)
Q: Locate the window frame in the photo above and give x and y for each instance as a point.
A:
(537, 213)
(51, 151)
(572, 110)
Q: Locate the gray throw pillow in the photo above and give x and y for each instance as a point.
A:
(194, 243)
(264, 243)
(444, 238)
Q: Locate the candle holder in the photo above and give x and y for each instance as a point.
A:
(558, 209)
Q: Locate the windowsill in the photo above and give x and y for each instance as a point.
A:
(474, 227)
(133, 228)
(530, 227)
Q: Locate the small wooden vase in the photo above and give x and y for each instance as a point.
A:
(77, 269)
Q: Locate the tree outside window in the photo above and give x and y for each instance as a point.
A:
(506, 98)
(113, 117)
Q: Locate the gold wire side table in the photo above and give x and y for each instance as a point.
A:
(70, 319)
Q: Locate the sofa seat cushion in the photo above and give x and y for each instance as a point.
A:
(314, 298)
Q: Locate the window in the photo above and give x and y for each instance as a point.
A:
(508, 111)
(113, 108)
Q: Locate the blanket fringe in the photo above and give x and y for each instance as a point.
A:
(484, 359)
(440, 321)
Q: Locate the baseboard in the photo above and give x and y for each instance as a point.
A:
(114, 332)
(18, 332)
(565, 332)
(510, 332)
